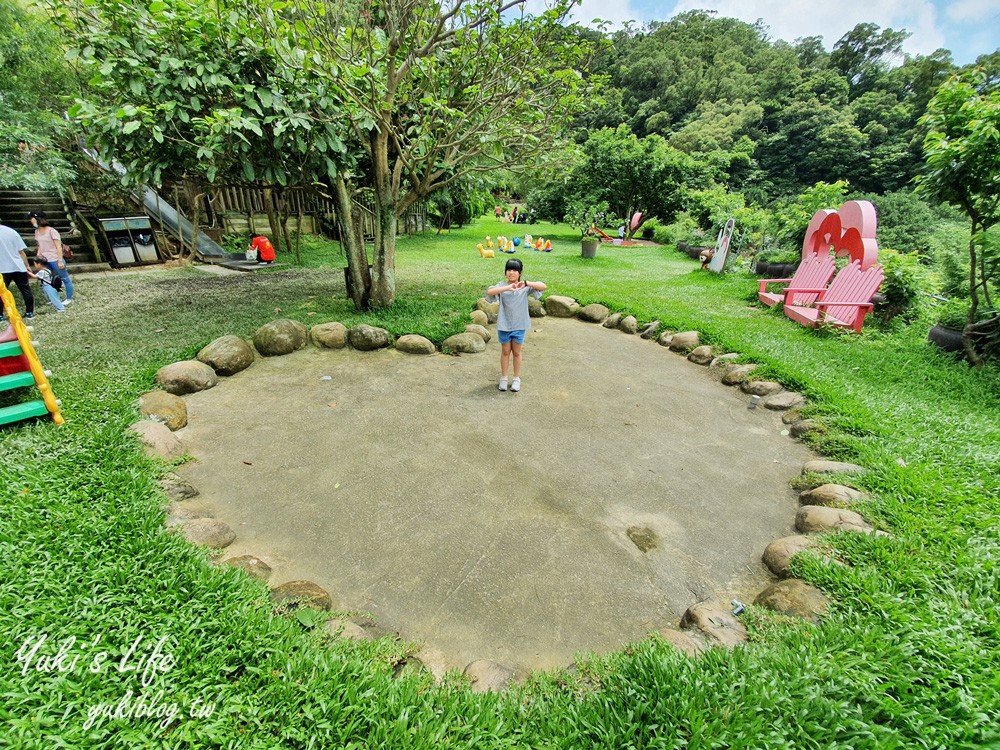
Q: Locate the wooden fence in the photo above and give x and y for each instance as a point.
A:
(240, 209)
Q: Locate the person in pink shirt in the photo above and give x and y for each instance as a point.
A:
(50, 247)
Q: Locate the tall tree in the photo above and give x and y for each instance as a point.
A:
(863, 55)
(644, 175)
(192, 89)
(962, 150)
(434, 92)
(33, 89)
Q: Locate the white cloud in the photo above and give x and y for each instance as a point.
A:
(616, 12)
(792, 19)
(971, 11)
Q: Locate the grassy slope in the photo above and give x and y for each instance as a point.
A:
(909, 657)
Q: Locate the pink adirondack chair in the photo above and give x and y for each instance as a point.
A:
(844, 303)
(814, 272)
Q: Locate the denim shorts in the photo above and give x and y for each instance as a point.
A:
(507, 336)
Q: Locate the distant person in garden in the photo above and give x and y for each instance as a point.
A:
(14, 266)
(264, 249)
(497, 211)
(621, 232)
(513, 216)
(50, 247)
(513, 320)
(49, 282)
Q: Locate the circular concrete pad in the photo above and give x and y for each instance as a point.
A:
(497, 525)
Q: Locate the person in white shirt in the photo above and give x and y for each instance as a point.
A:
(14, 266)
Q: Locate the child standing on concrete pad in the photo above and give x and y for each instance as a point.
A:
(513, 320)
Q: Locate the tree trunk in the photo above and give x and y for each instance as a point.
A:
(272, 218)
(283, 213)
(353, 243)
(967, 342)
(195, 220)
(386, 199)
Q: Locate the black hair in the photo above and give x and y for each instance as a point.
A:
(514, 264)
(43, 220)
(38, 260)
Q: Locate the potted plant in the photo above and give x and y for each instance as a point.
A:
(953, 323)
(587, 217)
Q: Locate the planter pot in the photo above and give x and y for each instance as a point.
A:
(589, 247)
(948, 339)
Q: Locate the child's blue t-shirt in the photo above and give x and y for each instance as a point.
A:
(513, 314)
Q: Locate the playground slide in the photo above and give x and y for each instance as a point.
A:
(167, 216)
(180, 227)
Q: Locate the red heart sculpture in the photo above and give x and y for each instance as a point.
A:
(847, 232)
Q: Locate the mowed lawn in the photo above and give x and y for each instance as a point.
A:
(908, 657)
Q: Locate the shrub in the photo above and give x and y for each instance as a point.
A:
(907, 283)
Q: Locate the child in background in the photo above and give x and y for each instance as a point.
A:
(41, 271)
(512, 318)
(264, 249)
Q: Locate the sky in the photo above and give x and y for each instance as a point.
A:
(968, 28)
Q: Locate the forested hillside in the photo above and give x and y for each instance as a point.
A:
(721, 89)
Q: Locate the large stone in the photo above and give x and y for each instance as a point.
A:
(613, 320)
(784, 400)
(561, 307)
(303, 594)
(209, 532)
(189, 376)
(736, 374)
(535, 308)
(723, 361)
(779, 553)
(791, 416)
(479, 318)
(488, 676)
(819, 518)
(701, 355)
(280, 337)
(366, 338)
(760, 387)
(227, 355)
(464, 343)
(177, 488)
(628, 325)
(649, 330)
(830, 467)
(686, 642)
(794, 598)
(685, 341)
(665, 338)
(412, 343)
(830, 494)
(479, 331)
(252, 566)
(180, 513)
(593, 313)
(717, 623)
(803, 427)
(164, 407)
(346, 630)
(329, 335)
(157, 440)
(492, 309)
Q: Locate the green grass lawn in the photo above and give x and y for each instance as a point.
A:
(909, 656)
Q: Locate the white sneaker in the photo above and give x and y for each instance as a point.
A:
(503, 384)
(67, 302)
(515, 385)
